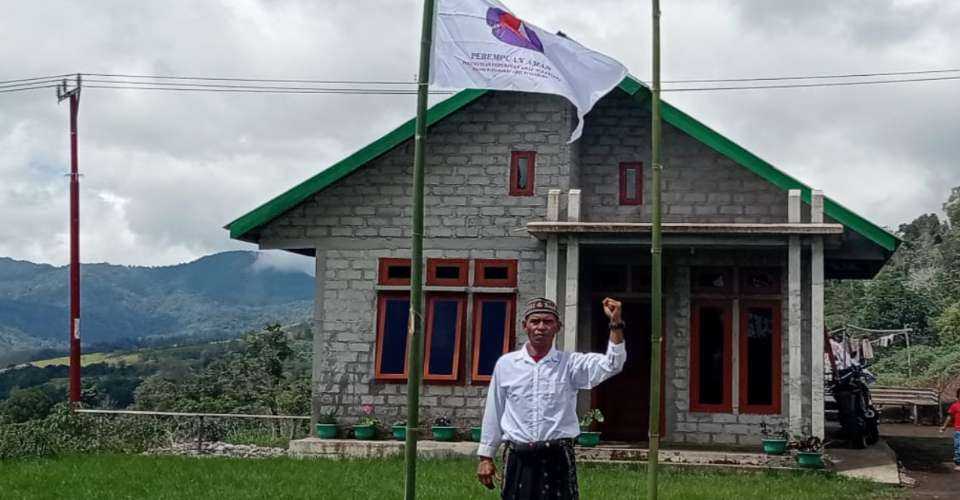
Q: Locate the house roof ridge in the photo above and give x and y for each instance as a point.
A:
(241, 227)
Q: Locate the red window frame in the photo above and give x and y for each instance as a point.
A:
(381, 319)
(458, 341)
(776, 355)
(483, 264)
(726, 406)
(383, 271)
(510, 331)
(624, 199)
(433, 264)
(515, 157)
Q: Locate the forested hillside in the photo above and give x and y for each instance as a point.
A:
(920, 289)
(216, 296)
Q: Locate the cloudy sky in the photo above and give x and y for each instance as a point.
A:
(164, 171)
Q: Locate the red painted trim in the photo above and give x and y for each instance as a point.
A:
(383, 275)
(458, 342)
(381, 319)
(515, 156)
(433, 264)
(726, 406)
(510, 332)
(628, 165)
(776, 351)
(482, 264)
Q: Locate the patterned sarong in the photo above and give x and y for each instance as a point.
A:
(544, 469)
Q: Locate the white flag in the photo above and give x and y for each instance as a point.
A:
(479, 44)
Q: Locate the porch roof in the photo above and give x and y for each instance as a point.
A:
(543, 229)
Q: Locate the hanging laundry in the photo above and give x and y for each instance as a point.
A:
(866, 349)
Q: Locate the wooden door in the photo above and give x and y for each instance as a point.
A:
(624, 399)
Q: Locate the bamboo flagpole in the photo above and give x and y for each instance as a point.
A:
(656, 322)
(415, 325)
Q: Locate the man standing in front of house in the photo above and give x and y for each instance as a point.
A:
(532, 405)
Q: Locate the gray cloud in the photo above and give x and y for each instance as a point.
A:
(164, 171)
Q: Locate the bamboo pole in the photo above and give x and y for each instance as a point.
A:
(415, 326)
(656, 323)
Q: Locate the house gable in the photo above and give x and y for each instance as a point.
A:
(247, 227)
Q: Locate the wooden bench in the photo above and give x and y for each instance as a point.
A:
(902, 396)
(906, 396)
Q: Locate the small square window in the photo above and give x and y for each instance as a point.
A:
(760, 281)
(522, 170)
(495, 272)
(447, 272)
(393, 271)
(712, 280)
(631, 183)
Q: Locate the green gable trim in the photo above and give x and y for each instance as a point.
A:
(277, 206)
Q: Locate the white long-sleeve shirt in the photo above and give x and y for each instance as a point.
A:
(529, 401)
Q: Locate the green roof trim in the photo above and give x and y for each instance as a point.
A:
(277, 206)
(291, 198)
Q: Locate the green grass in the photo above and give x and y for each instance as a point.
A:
(133, 476)
(91, 359)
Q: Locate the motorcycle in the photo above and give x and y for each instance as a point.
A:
(859, 419)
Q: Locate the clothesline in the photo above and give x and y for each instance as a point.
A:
(861, 348)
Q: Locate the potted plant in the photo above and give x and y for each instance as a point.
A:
(443, 430)
(809, 451)
(327, 425)
(475, 433)
(587, 438)
(399, 429)
(774, 440)
(366, 427)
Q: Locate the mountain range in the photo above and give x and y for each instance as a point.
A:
(218, 296)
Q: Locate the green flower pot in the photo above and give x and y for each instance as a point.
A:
(326, 431)
(810, 459)
(364, 432)
(774, 446)
(475, 434)
(399, 432)
(588, 439)
(444, 433)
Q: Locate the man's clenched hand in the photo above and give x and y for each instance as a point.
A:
(486, 472)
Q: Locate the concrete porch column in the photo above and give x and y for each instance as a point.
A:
(553, 247)
(572, 285)
(320, 272)
(816, 318)
(794, 368)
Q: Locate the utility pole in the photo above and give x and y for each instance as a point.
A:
(656, 251)
(415, 326)
(74, 96)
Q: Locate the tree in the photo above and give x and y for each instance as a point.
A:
(30, 404)
(948, 325)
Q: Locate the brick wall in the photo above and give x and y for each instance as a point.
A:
(699, 185)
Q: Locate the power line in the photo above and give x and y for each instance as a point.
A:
(817, 77)
(809, 85)
(271, 91)
(37, 78)
(264, 80)
(27, 88)
(231, 86)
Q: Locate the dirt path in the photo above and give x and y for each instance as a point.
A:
(927, 457)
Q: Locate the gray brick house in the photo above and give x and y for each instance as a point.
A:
(512, 212)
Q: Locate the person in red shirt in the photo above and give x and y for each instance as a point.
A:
(953, 413)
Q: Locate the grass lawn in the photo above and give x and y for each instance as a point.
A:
(133, 476)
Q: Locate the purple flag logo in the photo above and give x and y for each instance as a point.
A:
(508, 29)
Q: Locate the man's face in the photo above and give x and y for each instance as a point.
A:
(541, 328)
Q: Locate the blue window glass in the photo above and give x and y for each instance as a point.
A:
(393, 353)
(443, 336)
(493, 323)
